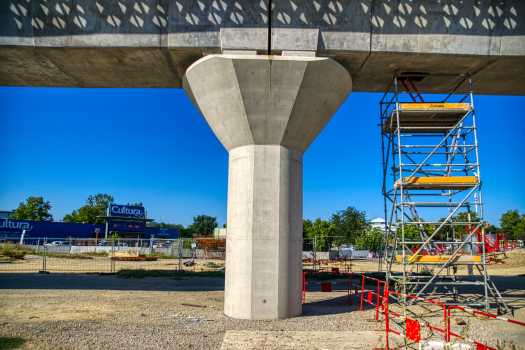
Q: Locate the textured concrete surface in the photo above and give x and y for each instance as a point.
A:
(264, 246)
(314, 340)
(266, 111)
(151, 43)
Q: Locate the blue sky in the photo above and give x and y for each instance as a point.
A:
(151, 145)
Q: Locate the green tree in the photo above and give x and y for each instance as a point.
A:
(349, 223)
(35, 208)
(412, 234)
(458, 230)
(204, 225)
(139, 204)
(95, 206)
(493, 229)
(319, 229)
(512, 224)
(370, 239)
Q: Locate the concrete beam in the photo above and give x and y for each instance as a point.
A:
(102, 43)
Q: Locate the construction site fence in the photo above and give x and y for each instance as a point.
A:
(107, 256)
(355, 284)
(412, 327)
(357, 265)
(376, 292)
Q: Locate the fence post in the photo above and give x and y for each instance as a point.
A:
(181, 243)
(44, 257)
(112, 258)
(362, 293)
(377, 306)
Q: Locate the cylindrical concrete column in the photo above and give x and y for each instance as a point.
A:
(266, 111)
(265, 202)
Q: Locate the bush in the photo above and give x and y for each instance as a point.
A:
(8, 343)
(161, 256)
(15, 249)
(103, 253)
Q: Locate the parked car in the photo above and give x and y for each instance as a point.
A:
(61, 243)
(122, 244)
(348, 246)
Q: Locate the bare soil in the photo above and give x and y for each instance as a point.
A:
(91, 311)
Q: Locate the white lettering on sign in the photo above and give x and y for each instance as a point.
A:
(18, 224)
(128, 211)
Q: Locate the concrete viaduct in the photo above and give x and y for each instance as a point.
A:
(151, 43)
(267, 76)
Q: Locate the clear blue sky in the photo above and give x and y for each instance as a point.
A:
(151, 145)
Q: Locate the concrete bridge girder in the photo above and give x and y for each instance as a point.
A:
(151, 43)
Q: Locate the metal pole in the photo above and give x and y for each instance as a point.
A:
(44, 256)
(113, 269)
(107, 224)
(181, 243)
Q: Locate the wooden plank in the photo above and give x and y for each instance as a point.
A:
(434, 106)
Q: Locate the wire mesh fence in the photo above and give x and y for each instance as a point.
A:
(112, 255)
(195, 255)
(324, 252)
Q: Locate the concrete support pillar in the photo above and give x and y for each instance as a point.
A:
(266, 111)
(264, 244)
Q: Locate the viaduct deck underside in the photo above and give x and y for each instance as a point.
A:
(151, 43)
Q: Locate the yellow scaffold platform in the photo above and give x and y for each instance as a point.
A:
(440, 259)
(440, 183)
(426, 117)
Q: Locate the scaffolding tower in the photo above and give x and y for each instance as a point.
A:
(431, 167)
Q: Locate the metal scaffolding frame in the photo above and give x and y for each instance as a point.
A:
(431, 162)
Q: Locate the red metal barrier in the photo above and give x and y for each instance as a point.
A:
(326, 287)
(478, 345)
(370, 294)
(413, 331)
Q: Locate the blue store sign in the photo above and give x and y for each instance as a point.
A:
(126, 210)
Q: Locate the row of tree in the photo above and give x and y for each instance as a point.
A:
(35, 208)
(349, 225)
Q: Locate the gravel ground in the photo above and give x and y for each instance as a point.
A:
(78, 311)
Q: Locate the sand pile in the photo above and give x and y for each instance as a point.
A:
(515, 258)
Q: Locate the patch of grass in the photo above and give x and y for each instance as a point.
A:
(68, 256)
(213, 265)
(161, 256)
(95, 253)
(139, 273)
(4, 259)
(8, 343)
(14, 249)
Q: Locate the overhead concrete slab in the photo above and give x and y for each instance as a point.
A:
(455, 36)
(312, 340)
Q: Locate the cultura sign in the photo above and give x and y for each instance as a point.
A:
(124, 210)
(15, 225)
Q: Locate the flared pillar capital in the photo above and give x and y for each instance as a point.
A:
(267, 100)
